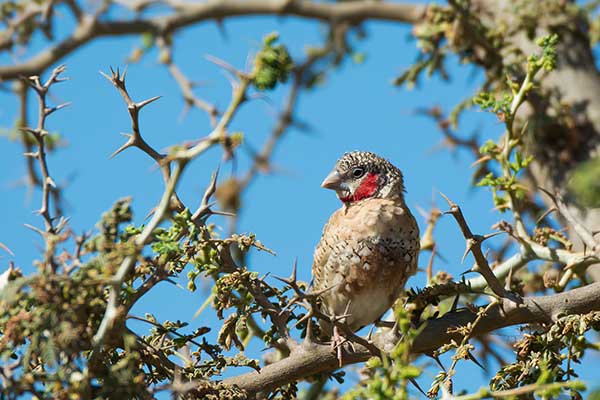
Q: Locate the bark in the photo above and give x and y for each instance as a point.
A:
(559, 144)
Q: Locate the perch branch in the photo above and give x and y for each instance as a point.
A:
(311, 358)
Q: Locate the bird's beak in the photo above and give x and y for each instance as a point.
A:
(333, 181)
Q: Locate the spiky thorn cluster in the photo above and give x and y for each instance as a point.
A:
(48, 184)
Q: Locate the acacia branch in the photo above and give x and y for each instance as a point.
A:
(529, 251)
(90, 27)
(474, 246)
(311, 359)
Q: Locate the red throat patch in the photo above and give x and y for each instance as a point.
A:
(367, 188)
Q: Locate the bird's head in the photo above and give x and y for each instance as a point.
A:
(360, 175)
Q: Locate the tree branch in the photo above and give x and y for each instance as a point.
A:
(313, 359)
(90, 27)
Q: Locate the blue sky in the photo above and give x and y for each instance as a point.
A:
(357, 107)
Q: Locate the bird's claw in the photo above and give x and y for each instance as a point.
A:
(337, 344)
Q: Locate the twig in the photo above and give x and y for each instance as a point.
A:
(467, 332)
(529, 251)
(584, 233)
(485, 393)
(135, 139)
(40, 133)
(185, 85)
(474, 246)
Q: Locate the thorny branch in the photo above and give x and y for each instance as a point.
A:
(181, 158)
(135, 138)
(40, 133)
(313, 358)
(46, 181)
(474, 246)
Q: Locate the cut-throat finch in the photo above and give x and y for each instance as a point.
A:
(369, 246)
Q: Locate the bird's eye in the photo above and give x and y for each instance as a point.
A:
(358, 172)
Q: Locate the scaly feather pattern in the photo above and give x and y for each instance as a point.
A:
(370, 246)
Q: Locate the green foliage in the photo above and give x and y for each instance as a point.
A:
(547, 60)
(389, 376)
(508, 154)
(488, 101)
(584, 183)
(272, 64)
(549, 356)
(48, 320)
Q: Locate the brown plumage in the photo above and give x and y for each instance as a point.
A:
(370, 246)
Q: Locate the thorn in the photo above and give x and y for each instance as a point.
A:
(225, 213)
(422, 211)
(337, 343)
(301, 320)
(58, 107)
(222, 64)
(33, 228)
(292, 279)
(545, 214)
(319, 292)
(455, 303)
(396, 327)
(370, 332)
(144, 103)
(129, 143)
(466, 272)
(294, 268)
(414, 382)
(438, 361)
(508, 279)
(308, 337)
(470, 244)
(5, 247)
(491, 235)
(472, 358)
(450, 203)
(548, 193)
(480, 160)
(232, 81)
(288, 307)
(262, 279)
(150, 213)
(62, 223)
(174, 283)
(108, 78)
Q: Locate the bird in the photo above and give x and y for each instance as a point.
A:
(369, 247)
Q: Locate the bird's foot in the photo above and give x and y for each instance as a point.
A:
(337, 344)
